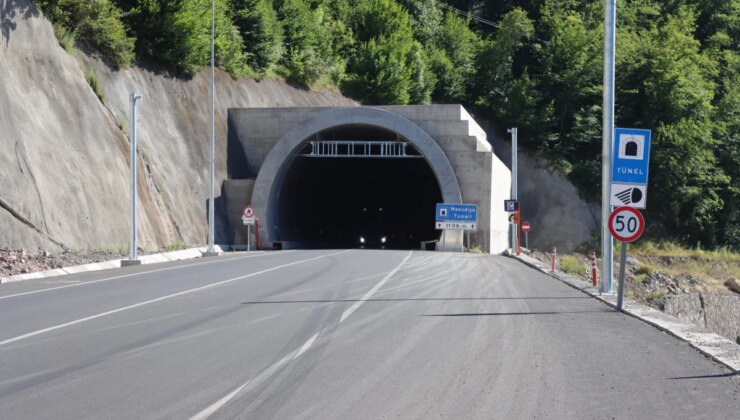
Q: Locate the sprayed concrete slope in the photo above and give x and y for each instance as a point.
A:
(64, 159)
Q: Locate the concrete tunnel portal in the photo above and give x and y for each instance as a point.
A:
(358, 176)
(367, 188)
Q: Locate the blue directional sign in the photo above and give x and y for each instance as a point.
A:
(631, 156)
(457, 212)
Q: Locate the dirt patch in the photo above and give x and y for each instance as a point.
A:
(22, 261)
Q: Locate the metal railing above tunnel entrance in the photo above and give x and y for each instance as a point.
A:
(360, 149)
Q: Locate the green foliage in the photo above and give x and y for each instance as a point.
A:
(96, 24)
(94, 82)
(570, 264)
(66, 37)
(261, 31)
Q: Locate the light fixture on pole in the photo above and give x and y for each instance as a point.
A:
(133, 258)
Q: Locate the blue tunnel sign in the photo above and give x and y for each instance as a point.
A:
(631, 156)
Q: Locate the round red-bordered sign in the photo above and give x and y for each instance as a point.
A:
(626, 224)
(525, 227)
(248, 211)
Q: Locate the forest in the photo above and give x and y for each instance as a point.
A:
(534, 64)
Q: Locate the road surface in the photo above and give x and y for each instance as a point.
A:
(343, 334)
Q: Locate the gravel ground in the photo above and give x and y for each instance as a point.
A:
(23, 261)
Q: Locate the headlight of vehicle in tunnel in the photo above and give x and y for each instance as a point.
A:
(382, 239)
(362, 239)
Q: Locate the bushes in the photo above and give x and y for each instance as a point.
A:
(95, 24)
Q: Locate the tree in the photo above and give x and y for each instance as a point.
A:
(261, 31)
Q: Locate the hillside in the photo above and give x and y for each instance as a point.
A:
(534, 64)
(65, 154)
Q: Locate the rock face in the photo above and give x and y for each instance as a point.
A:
(64, 155)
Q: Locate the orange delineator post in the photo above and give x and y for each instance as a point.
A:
(518, 233)
(594, 272)
(554, 258)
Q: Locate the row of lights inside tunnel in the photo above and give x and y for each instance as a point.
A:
(133, 257)
(607, 142)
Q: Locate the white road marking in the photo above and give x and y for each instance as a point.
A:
(84, 283)
(274, 368)
(252, 383)
(372, 291)
(307, 345)
(159, 299)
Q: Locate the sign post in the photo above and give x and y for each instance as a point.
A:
(630, 161)
(525, 229)
(455, 217)
(248, 219)
(626, 224)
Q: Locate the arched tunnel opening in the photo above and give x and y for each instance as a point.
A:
(374, 199)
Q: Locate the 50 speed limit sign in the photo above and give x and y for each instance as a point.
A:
(626, 224)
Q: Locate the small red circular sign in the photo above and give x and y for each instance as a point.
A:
(248, 211)
(626, 224)
(525, 227)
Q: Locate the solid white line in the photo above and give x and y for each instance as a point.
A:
(252, 383)
(85, 283)
(372, 291)
(159, 299)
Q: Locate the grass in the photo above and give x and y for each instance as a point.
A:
(94, 82)
(66, 37)
(175, 246)
(713, 268)
(570, 264)
(655, 294)
(476, 250)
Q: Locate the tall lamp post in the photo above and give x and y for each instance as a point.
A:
(211, 208)
(133, 258)
(610, 19)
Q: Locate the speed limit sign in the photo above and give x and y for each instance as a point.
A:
(626, 224)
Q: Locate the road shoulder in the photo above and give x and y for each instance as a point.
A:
(708, 343)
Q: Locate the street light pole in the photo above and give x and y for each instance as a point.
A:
(514, 185)
(607, 248)
(211, 207)
(133, 258)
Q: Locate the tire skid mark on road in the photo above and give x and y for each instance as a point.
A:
(159, 299)
(275, 367)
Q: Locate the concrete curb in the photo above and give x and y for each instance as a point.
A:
(708, 343)
(184, 254)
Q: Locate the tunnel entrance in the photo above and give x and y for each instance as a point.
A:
(375, 198)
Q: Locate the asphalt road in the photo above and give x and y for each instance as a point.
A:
(353, 334)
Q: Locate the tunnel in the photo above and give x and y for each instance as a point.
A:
(347, 178)
(369, 200)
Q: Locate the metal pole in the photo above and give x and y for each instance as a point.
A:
(134, 98)
(526, 240)
(444, 240)
(249, 236)
(607, 134)
(514, 184)
(622, 264)
(211, 219)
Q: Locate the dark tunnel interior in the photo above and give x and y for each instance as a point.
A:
(357, 202)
